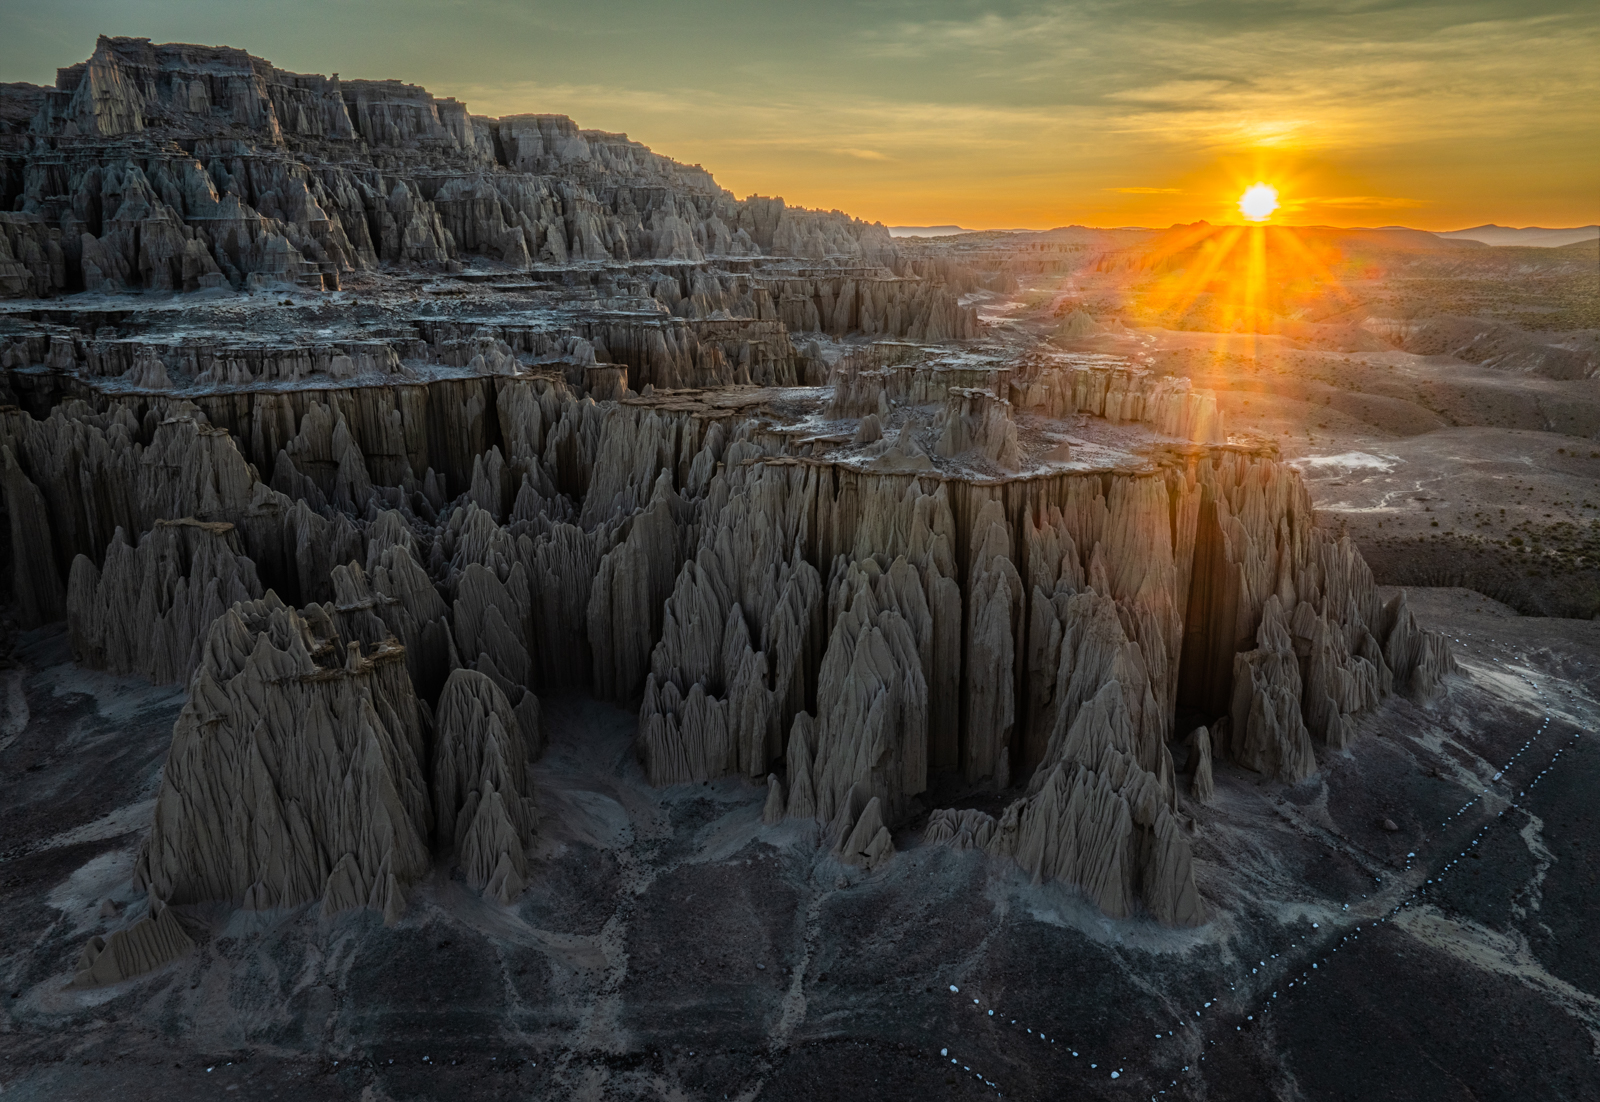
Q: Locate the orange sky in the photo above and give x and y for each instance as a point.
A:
(1113, 112)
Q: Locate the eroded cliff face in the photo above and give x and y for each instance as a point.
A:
(782, 608)
(175, 167)
(295, 772)
(651, 453)
(179, 169)
(149, 609)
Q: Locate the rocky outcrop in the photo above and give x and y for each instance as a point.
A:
(33, 263)
(976, 422)
(673, 547)
(1098, 809)
(960, 830)
(872, 303)
(1103, 828)
(562, 566)
(772, 810)
(861, 838)
(634, 447)
(1074, 326)
(296, 771)
(149, 609)
(1168, 404)
(299, 179)
(482, 797)
(397, 600)
(101, 471)
(1321, 636)
(490, 619)
(1419, 659)
(1104, 578)
(903, 454)
(629, 593)
(1108, 830)
(994, 600)
(870, 734)
(1101, 694)
(886, 373)
(35, 580)
(1266, 729)
(142, 947)
(731, 668)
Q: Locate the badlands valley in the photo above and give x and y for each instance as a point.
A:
(491, 612)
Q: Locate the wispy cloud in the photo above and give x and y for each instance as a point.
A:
(1353, 202)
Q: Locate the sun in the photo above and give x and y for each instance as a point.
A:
(1258, 202)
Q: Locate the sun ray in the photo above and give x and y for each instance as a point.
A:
(1246, 280)
(1314, 265)
(1193, 284)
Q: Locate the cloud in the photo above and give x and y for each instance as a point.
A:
(1145, 190)
(1177, 95)
(864, 154)
(1354, 202)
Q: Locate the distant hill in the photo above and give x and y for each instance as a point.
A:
(1393, 236)
(940, 231)
(1093, 235)
(927, 231)
(1402, 238)
(1176, 242)
(1528, 235)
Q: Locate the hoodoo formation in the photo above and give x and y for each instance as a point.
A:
(440, 416)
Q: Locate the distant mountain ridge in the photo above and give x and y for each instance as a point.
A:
(1490, 234)
(1529, 235)
(942, 231)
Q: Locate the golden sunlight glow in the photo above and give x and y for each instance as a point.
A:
(1243, 281)
(1258, 202)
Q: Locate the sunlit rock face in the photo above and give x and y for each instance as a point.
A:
(420, 419)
